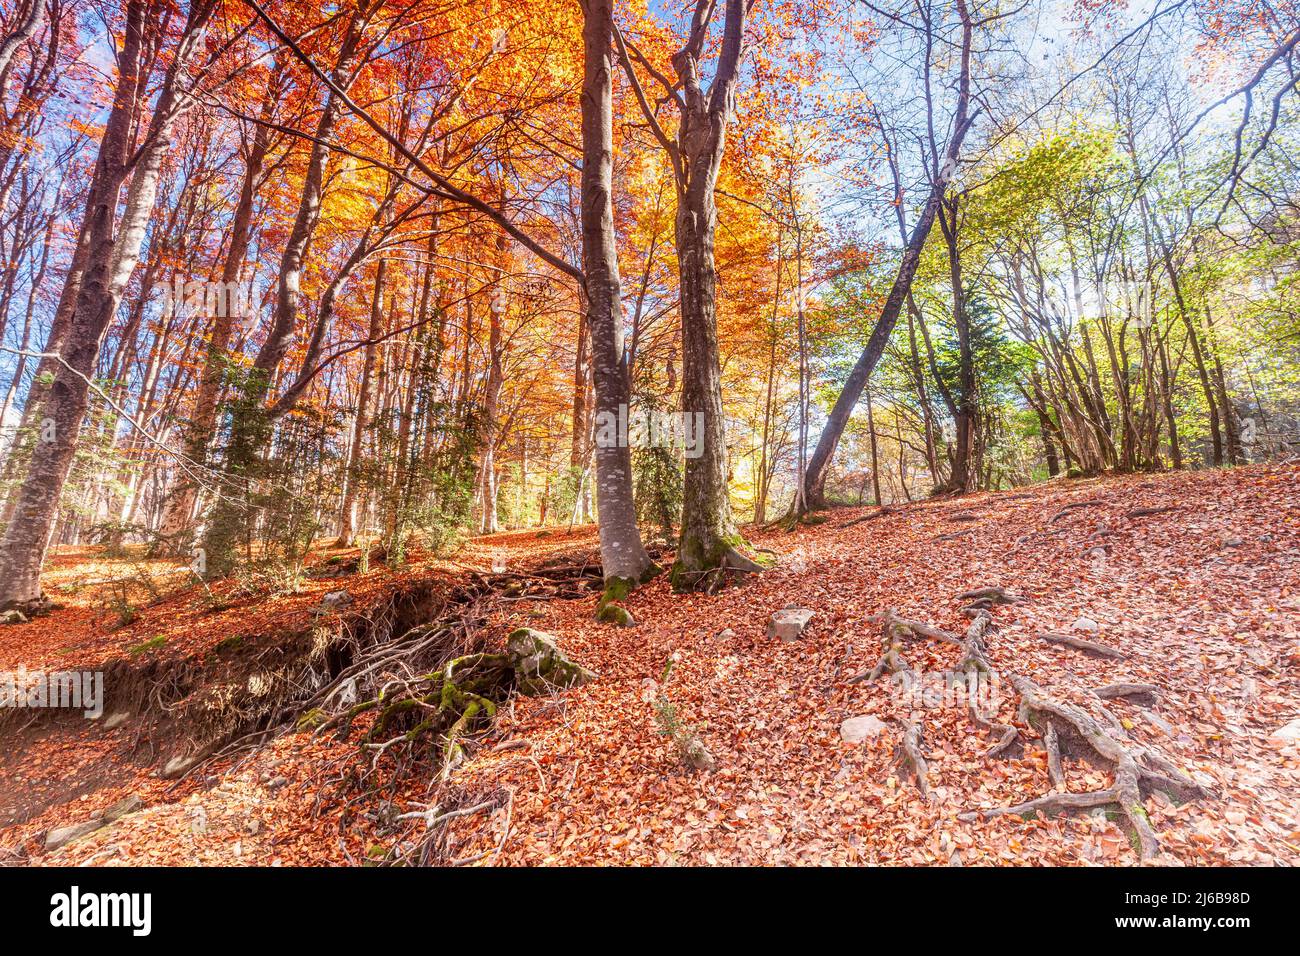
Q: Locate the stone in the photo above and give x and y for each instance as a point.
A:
(13, 616)
(857, 729)
(539, 664)
(1288, 732)
(1086, 624)
(789, 623)
(123, 807)
(332, 600)
(1233, 542)
(697, 756)
(615, 614)
(113, 721)
(65, 835)
(178, 765)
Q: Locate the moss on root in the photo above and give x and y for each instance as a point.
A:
(617, 589)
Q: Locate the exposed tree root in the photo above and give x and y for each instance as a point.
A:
(880, 512)
(910, 759)
(991, 596)
(1067, 732)
(1143, 693)
(1147, 512)
(1138, 770)
(893, 632)
(1073, 506)
(1091, 648)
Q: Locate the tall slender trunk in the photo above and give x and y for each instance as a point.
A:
(361, 424)
(819, 464)
(178, 513)
(250, 429)
(623, 557)
(112, 248)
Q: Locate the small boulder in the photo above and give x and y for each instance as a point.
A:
(611, 613)
(13, 616)
(857, 729)
(123, 807)
(65, 835)
(1086, 624)
(333, 600)
(113, 721)
(178, 765)
(696, 756)
(539, 664)
(789, 623)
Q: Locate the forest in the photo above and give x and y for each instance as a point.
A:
(395, 389)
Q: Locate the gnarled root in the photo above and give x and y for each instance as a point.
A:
(986, 598)
(975, 664)
(910, 759)
(893, 631)
(448, 703)
(1138, 770)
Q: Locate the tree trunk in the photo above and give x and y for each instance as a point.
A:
(110, 257)
(623, 557)
(815, 479)
(361, 424)
(177, 523)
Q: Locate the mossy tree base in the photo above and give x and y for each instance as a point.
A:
(709, 567)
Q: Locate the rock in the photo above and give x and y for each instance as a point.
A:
(123, 807)
(65, 835)
(14, 616)
(275, 783)
(1288, 732)
(539, 664)
(1233, 542)
(611, 613)
(857, 729)
(789, 623)
(1086, 624)
(697, 756)
(178, 765)
(726, 634)
(113, 721)
(333, 600)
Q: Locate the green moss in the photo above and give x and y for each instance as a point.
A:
(613, 614)
(152, 644)
(230, 643)
(609, 612)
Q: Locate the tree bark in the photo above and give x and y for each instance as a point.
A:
(623, 557)
(111, 255)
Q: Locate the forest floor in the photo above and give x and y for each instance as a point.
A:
(1202, 600)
